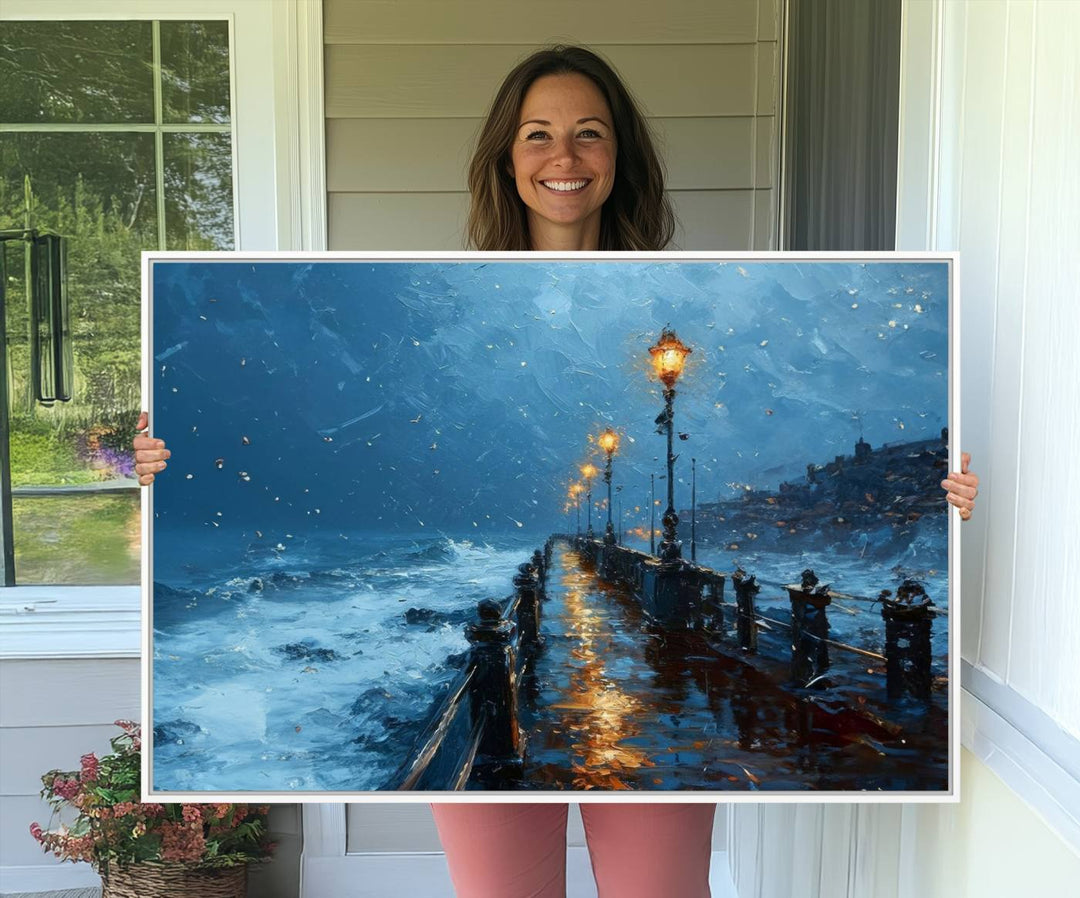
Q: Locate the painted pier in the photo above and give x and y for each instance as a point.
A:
(608, 668)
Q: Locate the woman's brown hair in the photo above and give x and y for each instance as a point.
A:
(637, 214)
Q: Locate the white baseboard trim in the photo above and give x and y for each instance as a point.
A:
(426, 876)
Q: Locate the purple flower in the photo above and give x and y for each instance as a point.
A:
(118, 462)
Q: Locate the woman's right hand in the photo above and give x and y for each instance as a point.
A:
(150, 454)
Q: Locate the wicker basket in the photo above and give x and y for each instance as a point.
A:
(148, 880)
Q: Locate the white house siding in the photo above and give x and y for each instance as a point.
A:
(408, 83)
(53, 711)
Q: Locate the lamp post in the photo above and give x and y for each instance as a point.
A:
(693, 509)
(622, 521)
(576, 489)
(668, 358)
(652, 514)
(588, 471)
(609, 442)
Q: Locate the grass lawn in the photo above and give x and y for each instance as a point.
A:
(82, 539)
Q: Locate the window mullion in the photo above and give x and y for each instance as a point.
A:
(159, 136)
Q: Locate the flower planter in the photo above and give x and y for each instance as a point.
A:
(174, 881)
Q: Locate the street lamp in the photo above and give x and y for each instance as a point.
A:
(588, 471)
(609, 442)
(668, 359)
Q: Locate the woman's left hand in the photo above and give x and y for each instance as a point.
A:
(962, 487)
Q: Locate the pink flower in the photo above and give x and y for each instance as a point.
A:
(66, 789)
(192, 813)
(181, 842)
(36, 831)
(89, 768)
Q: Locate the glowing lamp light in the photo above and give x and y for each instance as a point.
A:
(669, 357)
(609, 441)
(588, 471)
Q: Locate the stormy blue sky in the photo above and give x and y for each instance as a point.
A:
(460, 396)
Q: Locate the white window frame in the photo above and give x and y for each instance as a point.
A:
(276, 49)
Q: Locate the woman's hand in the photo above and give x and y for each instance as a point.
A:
(961, 487)
(150, 454)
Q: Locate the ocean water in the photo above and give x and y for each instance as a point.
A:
(316, 680)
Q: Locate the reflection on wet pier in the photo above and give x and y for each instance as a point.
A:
(621, 704)
(608, 669)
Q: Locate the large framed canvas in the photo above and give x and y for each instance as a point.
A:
(495, 526)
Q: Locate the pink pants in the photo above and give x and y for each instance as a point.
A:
(519, 850)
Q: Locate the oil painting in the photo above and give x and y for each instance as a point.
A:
(645, 523)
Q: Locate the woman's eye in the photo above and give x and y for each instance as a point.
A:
(536, 135)
(589, 132)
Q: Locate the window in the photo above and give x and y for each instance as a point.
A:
(118, 136)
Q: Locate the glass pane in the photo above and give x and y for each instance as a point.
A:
(195, 71)
(76, 72)
(98, 190)
(198, 192)
(77, 540)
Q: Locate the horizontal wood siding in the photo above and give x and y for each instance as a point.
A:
(451, 81)
(28, 752)
(408, 84)
(432, 154)
(397, 221)
(707, 219)
(65, 693)
(52, 713)
(477, 22)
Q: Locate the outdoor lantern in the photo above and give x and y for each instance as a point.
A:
(588, 471)
(668, 357)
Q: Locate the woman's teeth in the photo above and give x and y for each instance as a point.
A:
(564, 186)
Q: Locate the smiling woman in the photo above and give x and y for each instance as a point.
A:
(562, 117)
(563, 160)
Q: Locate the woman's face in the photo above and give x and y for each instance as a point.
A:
(563, 158)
